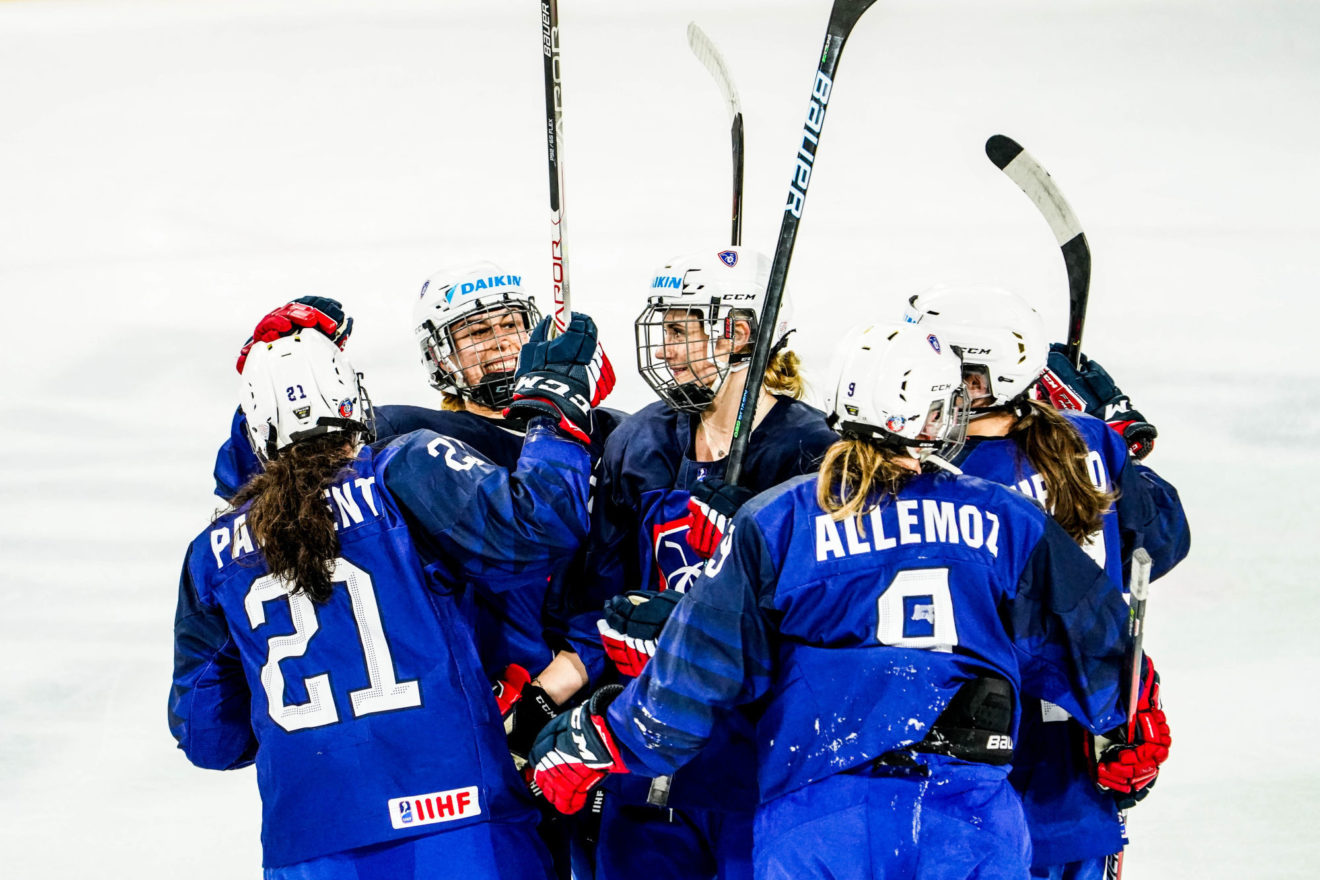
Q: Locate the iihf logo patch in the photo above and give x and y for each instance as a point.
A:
(346, 408)
(934, 343)
(405, 812)
(728, 258)
(895, 423)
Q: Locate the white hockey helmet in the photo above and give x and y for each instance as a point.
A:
(694, 303)
(298, 387)
(899, 386)
(999, 336)
(474, 319)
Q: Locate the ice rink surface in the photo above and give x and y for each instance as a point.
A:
(169, 171)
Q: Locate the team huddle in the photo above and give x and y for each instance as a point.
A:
(520, 634)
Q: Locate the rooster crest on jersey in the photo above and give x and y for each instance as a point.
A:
(298, 387)
(898, 386)
(470, 322)
(689, 325)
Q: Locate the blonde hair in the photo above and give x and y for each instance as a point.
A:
(1057, 452)
(452, 402)
(856, 476)
(783, 375)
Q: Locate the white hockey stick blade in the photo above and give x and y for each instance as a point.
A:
(1036, 182)
(707, 54)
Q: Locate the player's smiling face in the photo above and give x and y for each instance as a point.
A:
(489, 343)
(686, 348)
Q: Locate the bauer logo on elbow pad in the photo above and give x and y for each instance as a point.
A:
(431, 809)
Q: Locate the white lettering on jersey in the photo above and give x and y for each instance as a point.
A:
(938, 522)
(438, 806)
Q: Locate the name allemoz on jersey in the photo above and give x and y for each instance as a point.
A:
(925, 521)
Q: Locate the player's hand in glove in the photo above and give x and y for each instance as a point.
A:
(1128, 769)
(575, 752)
(631, 626)
(525, 708)
(562, 377)
(320, 312)
(1090, 389)
(712, 505)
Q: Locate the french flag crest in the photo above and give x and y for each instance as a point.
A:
(728, 258)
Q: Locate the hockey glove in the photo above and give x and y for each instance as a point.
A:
(321, 312)
(1090, 389)
(1128, 769)
(632, 626)
(562, 377)
(575, 752)
(712, 505)
(525, 708)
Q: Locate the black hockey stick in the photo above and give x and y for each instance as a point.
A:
(554, 134)
(1138, 590)
(707, 54)
(1035, 181)
(843, 16)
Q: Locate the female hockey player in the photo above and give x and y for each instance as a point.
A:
(317, 632)
(880, 617)
(1081, 470)
(694, 339)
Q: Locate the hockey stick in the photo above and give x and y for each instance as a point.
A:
(554, 134)
(843, 16)
(707, 54)
(1035, 181)
(1138, 590)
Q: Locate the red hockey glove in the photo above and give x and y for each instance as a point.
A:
(1128, 770)
(320, 312)
(712, 505)
(575, 752)
(1090, 389)
(563, 377)
(632, 625)
(525, 708)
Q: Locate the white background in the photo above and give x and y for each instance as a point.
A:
(169, 171)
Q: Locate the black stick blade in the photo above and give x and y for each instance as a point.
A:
(1002, 150)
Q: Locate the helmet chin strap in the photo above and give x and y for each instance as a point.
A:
(939, 464)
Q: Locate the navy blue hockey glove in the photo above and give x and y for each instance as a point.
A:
(562, 377)
(631, 627)
(525, 708)
(1127, 764)
(321, 312)
(1090, 389)
(575, 752)
(711, 507)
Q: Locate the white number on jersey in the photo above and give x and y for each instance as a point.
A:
(383, 693)
(916, 611)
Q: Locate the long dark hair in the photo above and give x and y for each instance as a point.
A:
(1058, 453)
(290, 518)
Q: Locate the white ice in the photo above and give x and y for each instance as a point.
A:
(171, 170)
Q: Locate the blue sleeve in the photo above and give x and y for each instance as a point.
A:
(1068, 623)
(210, 703)
(235, 462)
(497, 528)
(715, 653)
(1150, 515)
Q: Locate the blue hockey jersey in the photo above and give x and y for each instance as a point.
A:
(369, 717)
(638, 542)
(1070, 820)
(524, 626)
(852, 640)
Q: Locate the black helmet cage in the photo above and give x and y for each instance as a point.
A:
(495, 388)
(692, 396)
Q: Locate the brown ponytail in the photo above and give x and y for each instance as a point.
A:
(1057, 452)
(855, 477)
(783, 375)
(290, 518)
